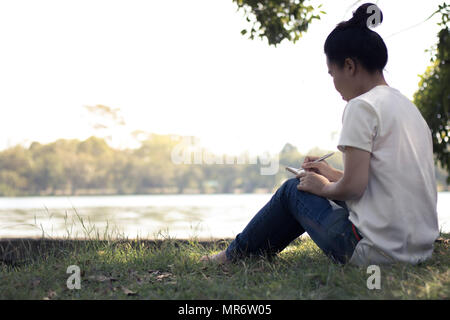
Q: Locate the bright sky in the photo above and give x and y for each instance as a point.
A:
(182, 67)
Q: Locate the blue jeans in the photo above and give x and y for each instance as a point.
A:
(289, 213)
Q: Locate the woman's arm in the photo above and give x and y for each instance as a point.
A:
(336, 175)
(355, 177)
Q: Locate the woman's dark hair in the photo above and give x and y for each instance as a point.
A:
(353, 39)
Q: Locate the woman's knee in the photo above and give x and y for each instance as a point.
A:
(288, 193)
(290, 188)
(290, 183)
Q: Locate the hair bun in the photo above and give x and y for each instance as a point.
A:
(367, 15)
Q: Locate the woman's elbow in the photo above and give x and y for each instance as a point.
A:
(357, 191)
(354, 196)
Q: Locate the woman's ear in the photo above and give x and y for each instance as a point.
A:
(350, 66)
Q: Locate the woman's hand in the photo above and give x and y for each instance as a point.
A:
(312, 182)
(322, 168)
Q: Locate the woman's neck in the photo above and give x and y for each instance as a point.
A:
(370, 81)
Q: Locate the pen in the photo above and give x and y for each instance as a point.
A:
(324, 157)
(298, 171)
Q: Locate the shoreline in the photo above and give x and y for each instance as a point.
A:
(22, 250)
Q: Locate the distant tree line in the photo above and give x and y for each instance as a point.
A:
(71, 167)
(93, 167)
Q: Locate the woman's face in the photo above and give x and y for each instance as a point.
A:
(342, 78)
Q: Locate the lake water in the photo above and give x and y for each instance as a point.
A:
(143, 216)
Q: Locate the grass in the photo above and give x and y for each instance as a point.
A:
(118, 268)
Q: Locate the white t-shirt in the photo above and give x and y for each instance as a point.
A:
(397, 214)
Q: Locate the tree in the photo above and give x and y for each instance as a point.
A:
(155, 166)
(433, 95)
(277, 20)
(290, 156)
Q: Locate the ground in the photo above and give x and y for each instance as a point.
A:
(170, 269)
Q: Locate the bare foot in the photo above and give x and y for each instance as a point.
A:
(220, 257)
